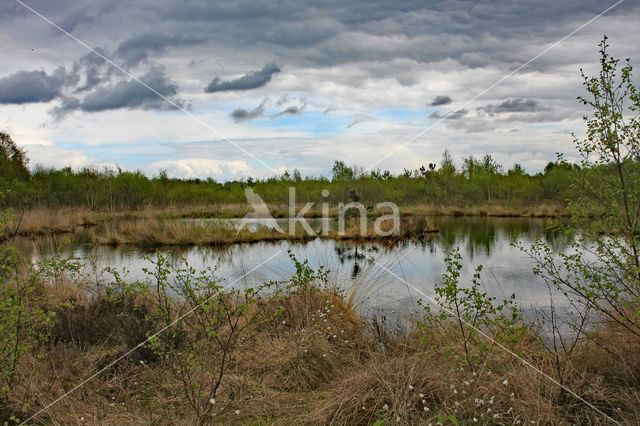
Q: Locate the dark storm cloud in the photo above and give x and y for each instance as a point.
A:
(137, 49)
(125, 94)
(478, 34)
(131, 94)
(91, 70)
(103, 84)
(242, 114)
(141, 47)
(401, 37)
(338, 32)
(512, 105)
(31, 86)
(441, 100)
(251, 80)
(456, 115)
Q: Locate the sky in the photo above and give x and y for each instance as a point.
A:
(232, 89)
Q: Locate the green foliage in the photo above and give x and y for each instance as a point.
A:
(11, 154)
(205, 327)
(478, 181)
(442, 419)
(58, 269)
(305, 275)
(472, 313)
(26, 318)
(602, 270)
(341, 172)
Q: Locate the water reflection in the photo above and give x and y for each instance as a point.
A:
(483, 240)
(479, 235)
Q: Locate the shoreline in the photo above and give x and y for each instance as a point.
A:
(42, 222)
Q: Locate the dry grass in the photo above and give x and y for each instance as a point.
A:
(41, 222)
(152, 233)
(492, 210)
(320, 363)
(161, 232)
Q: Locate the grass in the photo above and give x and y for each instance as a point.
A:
(491, 210)
(321, 363)
(159, 233)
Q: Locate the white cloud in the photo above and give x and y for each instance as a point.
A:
(202, 168)
(56, 157)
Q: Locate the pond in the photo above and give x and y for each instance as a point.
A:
(383, 281)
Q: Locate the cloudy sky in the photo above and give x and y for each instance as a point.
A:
(246, 88)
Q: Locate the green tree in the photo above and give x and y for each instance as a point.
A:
(603, 270)
(447, 166)
(9, 151)
(342, 172)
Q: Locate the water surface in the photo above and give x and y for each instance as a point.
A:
(385, 280)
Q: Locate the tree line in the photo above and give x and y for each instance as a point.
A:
(475, 180)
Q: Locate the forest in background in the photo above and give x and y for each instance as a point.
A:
(474, 181)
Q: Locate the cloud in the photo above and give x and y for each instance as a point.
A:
(90, 70)
(360, 118)
(31, 86)
(242, 114)
(282, 100)
(92, 75)
(132, 94)
(455, 115)
(201, 168)
(512, 105)
(139, 48)
(251, 80)
(53, 156)
(441, 100)
(125, 94)
(292, 110)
